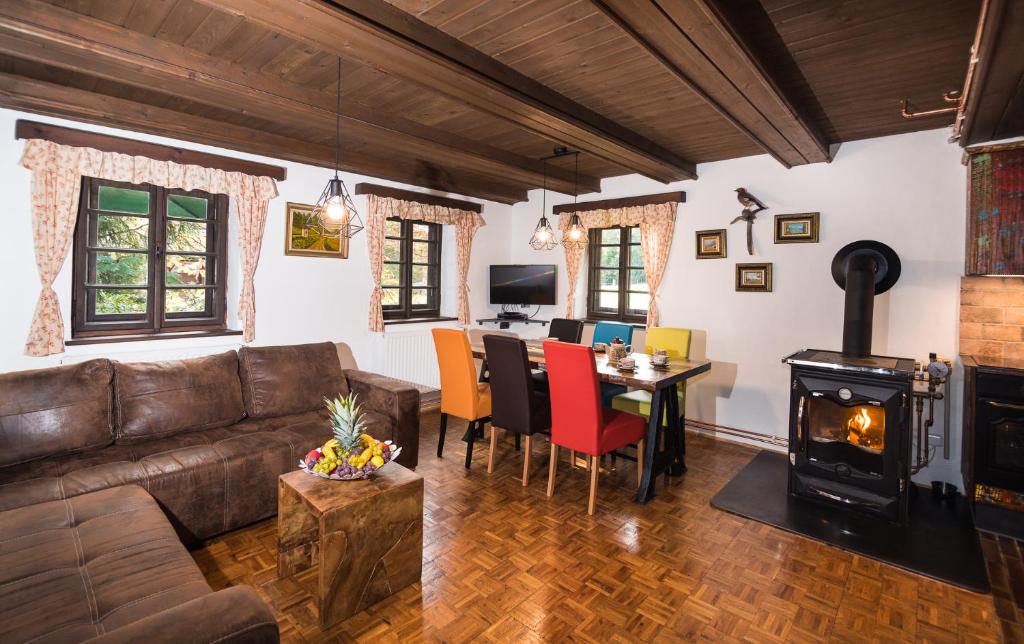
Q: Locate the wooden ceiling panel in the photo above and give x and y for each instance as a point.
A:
(577, 51)
(146, 16)
(214, 30)
(182, 21)
(855, 61)
(234, 45)
(844, 65)
(113, 11)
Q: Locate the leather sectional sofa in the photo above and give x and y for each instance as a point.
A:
(106, 467)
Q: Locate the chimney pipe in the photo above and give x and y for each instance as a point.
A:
(860, 306)
(863, 269)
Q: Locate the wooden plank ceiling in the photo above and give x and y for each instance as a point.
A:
(465, 96)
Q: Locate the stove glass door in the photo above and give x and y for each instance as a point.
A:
(851, 433)
(1002, 427)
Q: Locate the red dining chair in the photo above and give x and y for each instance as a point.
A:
(578, 421)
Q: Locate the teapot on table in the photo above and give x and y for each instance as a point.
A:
(617, 350)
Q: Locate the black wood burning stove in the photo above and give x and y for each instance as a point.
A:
(849, 436)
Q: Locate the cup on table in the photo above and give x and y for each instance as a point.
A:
(600, 347)
(659, 359)
(627, 363)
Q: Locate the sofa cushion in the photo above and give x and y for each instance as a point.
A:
(153, 399)
(73, 569)
(207, 481)
(53, 411)
(277, 381)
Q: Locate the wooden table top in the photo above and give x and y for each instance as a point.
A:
(645, 377)
(323, 495)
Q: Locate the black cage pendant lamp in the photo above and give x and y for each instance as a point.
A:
(543, 237)
(576, 234)
(335, 209)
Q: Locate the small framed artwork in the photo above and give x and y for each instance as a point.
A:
(305, 237)
(711, 244)
(800, 228)
(754, 277)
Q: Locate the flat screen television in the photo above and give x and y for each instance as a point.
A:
(523, 284)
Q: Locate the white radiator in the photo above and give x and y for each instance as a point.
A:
(406, 355)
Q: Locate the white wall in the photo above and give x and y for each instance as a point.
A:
(298, 299)
(907, 191)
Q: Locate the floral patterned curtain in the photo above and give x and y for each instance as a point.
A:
(466, 224)
(56, 177)
(657, 226)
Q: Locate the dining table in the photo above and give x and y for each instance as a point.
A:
(663, 382)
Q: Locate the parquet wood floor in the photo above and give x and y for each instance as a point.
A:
(505, 563)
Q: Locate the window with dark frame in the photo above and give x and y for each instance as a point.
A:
(616, 285)
(148, 260)
(412, 270)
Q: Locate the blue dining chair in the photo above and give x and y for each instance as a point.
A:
(605, 332)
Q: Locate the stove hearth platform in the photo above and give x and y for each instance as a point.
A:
(939, 540)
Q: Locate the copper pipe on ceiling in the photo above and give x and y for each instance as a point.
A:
(979, 33)
(958, 97)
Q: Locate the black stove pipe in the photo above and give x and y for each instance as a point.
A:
(860, 306)
(863, 269)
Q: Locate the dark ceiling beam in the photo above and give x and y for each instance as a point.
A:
(381, 36)
(49, 34)
(39, 97)
(994, 108)
(696, 43)
(418, 197)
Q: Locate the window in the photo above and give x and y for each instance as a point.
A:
(617, 285)
(412, 269)
(148, 260)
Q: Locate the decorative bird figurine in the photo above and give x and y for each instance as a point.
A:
(751, 206)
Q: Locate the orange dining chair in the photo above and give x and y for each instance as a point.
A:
(461, 395)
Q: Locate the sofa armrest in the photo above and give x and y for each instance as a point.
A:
(234, 615)
(397, 400)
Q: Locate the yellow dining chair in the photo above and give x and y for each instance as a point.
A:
(461, 394)
(676, 343)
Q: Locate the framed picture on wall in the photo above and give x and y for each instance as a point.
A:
(711, 244)
(304, 236)
(800, 228)
(755, 278)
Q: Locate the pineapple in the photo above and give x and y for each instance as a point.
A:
(348, 423)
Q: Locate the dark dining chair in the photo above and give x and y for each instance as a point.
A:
(516, 403)
(565, 330)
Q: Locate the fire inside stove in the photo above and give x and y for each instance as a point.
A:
(862, 426)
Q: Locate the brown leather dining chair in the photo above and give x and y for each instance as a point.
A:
(516, 404)
(565, 330)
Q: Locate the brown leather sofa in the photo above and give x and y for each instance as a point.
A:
(86, 449)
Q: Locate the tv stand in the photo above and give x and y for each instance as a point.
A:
(503, 323)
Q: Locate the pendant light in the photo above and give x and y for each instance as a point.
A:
(335, 209)
(543, 237)
(575, 235)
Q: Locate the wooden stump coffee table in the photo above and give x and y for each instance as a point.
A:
(365, 536)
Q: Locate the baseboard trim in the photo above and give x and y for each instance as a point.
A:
(738, 436)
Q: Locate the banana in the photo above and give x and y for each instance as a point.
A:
(329, 451)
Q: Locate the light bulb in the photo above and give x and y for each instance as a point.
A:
(574, 234)
(543, 234)
(336, 210)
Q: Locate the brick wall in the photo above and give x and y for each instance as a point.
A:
(992, 317)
